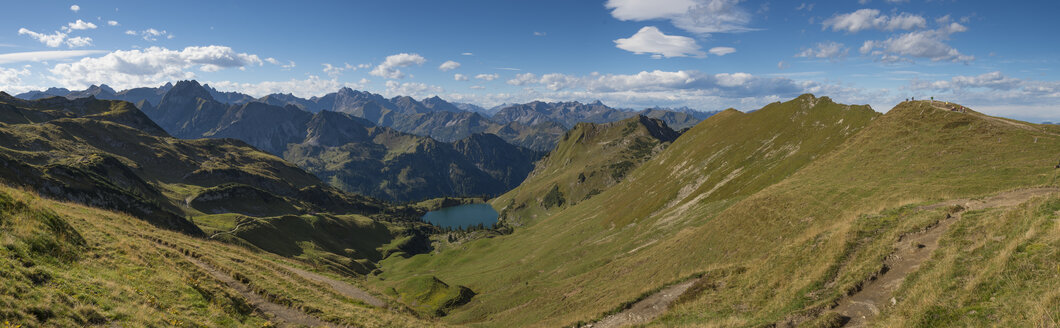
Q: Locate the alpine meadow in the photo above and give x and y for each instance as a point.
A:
(583, 164)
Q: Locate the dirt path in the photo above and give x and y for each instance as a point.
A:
(233, 231)
(913, 250)
(341, 287)
(645, 310)
(284, 316)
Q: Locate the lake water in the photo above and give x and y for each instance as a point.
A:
(462, 216)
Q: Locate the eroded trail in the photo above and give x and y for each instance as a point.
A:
(913, 250)
(647, 309)
(284, 316)
(340, 287)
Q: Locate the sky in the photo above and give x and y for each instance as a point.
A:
(996, 57)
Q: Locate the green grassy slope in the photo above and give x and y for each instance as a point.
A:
(592, 257)
(63, 265)
(799, 238)
(589, 159)
(998, 267)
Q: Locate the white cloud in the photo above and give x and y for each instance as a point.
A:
(459, 77)
(825, 50)
(449, 65)
(523, 79)
(10, 77)
(867, 19)
(310, 87)
(335, 71)
(487, 77)
(57, 39)
(721, 51)
(540, 34)
(154, 65)
(649, 40)
(75, 8)
(998, 94)
(477, 87)
(467, 54)
(78, 42)
(51, 40)
(80, 25)
(696, 16)
(918, 44)
(414, 89)
(150, 34)
(36, 56)
(388, 69)
(113, 23)
(782, 65)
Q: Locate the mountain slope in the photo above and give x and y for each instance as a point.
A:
(781, 212)
(594, 255)
(346, 151)
(71, 265)
(589, 159)
(106, 153)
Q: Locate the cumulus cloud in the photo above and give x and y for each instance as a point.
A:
(313, 86)
(56, 39)
(523, 79)
(113, 23)
(696, 16)
(649, 40)
(869, 19)
(11, 77)
(335, 71)
(998, 94)
(75, 8)
(487, 77)
(150, 34)
(389, 67)
(721, 84)
(80, 25)
(928, 44)
(154, 65)
(825, 50)
(459, 77)
(35, 56)
(414, 89)
(448, 66)
(667, 88)
(467, 54)
(721, 51)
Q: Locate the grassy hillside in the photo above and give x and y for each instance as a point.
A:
(70, 265)
(785, 209)
(589, 159)
(97, 153)
(578, 266)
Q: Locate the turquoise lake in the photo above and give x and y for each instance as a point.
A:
(462, 216)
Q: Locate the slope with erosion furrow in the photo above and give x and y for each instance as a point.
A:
(603, 252)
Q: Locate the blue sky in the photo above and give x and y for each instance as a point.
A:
(996, 57)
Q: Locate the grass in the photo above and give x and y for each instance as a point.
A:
(807, 195)
(996, 267)
(589, 158)
(69, 265)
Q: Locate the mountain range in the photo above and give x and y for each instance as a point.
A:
(807, 212)
(536, 125)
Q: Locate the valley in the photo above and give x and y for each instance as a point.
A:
(806, 212)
